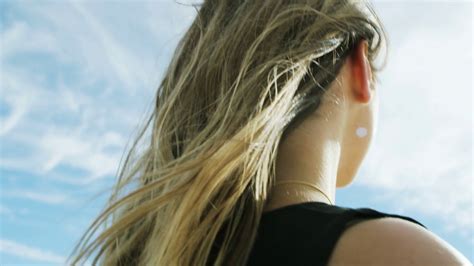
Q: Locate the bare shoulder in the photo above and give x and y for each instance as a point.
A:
(393, 241)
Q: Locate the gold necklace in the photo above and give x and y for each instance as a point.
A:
(304, 183)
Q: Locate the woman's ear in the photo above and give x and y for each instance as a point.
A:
(361, 72)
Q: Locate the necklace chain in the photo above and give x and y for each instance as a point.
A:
(304, 183)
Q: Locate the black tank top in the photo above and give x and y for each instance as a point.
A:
(306, 233)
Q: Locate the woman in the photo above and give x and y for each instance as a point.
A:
(266, 108)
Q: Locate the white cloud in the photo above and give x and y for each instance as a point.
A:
(18, 101)
(12, 215)
(127, 66)
(6, 212)
(93, 143)
(54, 198)
(77, 109)
(77, 117)
(19, 108)
(33, 253)
(421, 159)
(15, 36)
(78, 153)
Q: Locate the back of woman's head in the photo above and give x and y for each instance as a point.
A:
(244, 74)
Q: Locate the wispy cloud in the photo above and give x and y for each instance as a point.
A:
(76, 85)
(38, 196)
(28, 252)
(58, 122)
(6, 212)
(126, 66)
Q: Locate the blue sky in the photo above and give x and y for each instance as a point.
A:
(77, 78)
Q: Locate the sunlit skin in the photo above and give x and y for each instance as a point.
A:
(328, 152)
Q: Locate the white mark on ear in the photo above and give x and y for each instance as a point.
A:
(361, 132)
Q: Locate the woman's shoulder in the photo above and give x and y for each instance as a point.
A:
(340, 235)
(392, 240)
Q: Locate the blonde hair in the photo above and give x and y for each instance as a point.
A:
(243, 75)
